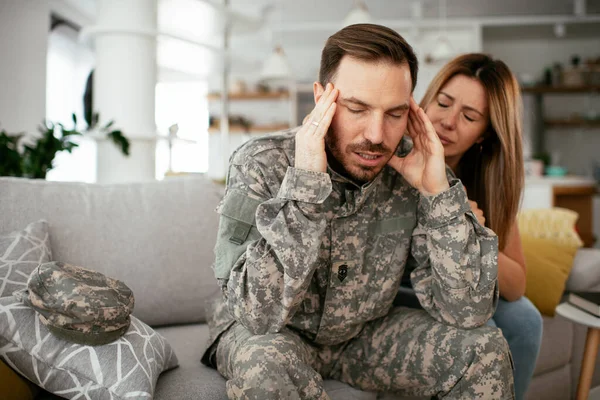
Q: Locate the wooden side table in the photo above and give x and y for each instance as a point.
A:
(592, 342)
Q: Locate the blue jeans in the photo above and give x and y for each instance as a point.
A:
(521, 324)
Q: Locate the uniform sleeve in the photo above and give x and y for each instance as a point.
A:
(268, 242)
(454, 260)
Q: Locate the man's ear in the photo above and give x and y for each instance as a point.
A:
(318, 91)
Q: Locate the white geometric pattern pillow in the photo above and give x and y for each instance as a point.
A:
(20, 253)
(127, 368)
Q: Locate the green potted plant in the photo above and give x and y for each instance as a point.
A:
(34, 157)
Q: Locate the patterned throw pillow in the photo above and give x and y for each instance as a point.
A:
(556, 224)
(550, 243)
(20, 253)
(124, 369)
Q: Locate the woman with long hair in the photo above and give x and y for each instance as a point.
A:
(474, 103)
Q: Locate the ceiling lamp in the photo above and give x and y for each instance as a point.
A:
(442, 50)
(277, 67)
(358, 15)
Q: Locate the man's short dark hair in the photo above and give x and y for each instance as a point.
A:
(366, 42)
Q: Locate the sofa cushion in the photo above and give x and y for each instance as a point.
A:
(192, 380)
(20, 253)
(128, 367)
(585, 275)
(549, 244)
(157, 237)
(550, 223)
(557, 330)
(548, 267)
(552, 385)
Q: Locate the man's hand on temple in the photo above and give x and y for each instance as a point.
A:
(310, 139)
(424, 167)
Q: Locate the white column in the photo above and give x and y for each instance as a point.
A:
(24, 28)
(124, 86)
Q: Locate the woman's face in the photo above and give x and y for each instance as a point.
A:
(460, 115)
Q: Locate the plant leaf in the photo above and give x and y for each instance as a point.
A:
(120, 140)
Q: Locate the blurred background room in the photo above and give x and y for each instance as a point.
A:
(112, 91)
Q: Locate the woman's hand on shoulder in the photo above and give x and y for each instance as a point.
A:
(478, 212)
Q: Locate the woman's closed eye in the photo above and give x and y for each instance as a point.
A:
(470, 118)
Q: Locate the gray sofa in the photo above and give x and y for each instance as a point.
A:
(158, 237)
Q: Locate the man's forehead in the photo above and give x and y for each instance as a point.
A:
(356, 78)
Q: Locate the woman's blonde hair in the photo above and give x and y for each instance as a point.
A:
(492, 170)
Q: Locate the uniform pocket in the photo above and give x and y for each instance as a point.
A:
(237, 227)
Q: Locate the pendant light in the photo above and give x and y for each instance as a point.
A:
(277, 67)
(442, 51)
(358, 15)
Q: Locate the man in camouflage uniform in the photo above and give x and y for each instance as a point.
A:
(317, 226)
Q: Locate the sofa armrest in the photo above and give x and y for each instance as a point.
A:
(585, 274)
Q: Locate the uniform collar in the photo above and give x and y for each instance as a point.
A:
(365, 188)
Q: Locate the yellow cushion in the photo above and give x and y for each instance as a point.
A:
(556, 223)
(550, 243)
(13, 386)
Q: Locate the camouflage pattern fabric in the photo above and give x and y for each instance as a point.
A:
(316, 254)
(78, 304)
(406, 352)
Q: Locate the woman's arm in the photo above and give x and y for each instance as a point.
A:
(511, 267)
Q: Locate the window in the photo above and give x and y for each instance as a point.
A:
(68, 66)
(184, 104)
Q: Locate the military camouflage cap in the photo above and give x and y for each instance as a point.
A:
(78, 304)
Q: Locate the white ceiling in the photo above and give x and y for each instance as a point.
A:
(305, 24)
(331, 10)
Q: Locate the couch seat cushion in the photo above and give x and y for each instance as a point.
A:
(557, 345)
(192, 380)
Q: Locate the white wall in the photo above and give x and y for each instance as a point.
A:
(530, 53)
(24, 27)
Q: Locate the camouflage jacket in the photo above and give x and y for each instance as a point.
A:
(321, 255)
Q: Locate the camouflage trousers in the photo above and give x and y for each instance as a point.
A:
(407, 352)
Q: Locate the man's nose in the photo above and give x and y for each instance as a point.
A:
(374, 130)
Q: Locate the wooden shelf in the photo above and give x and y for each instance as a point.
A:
(580, 200)
(253, 128)
(561, 89)
(252, 96)
(575, 123)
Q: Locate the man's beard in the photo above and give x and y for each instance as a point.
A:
(338, 158)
